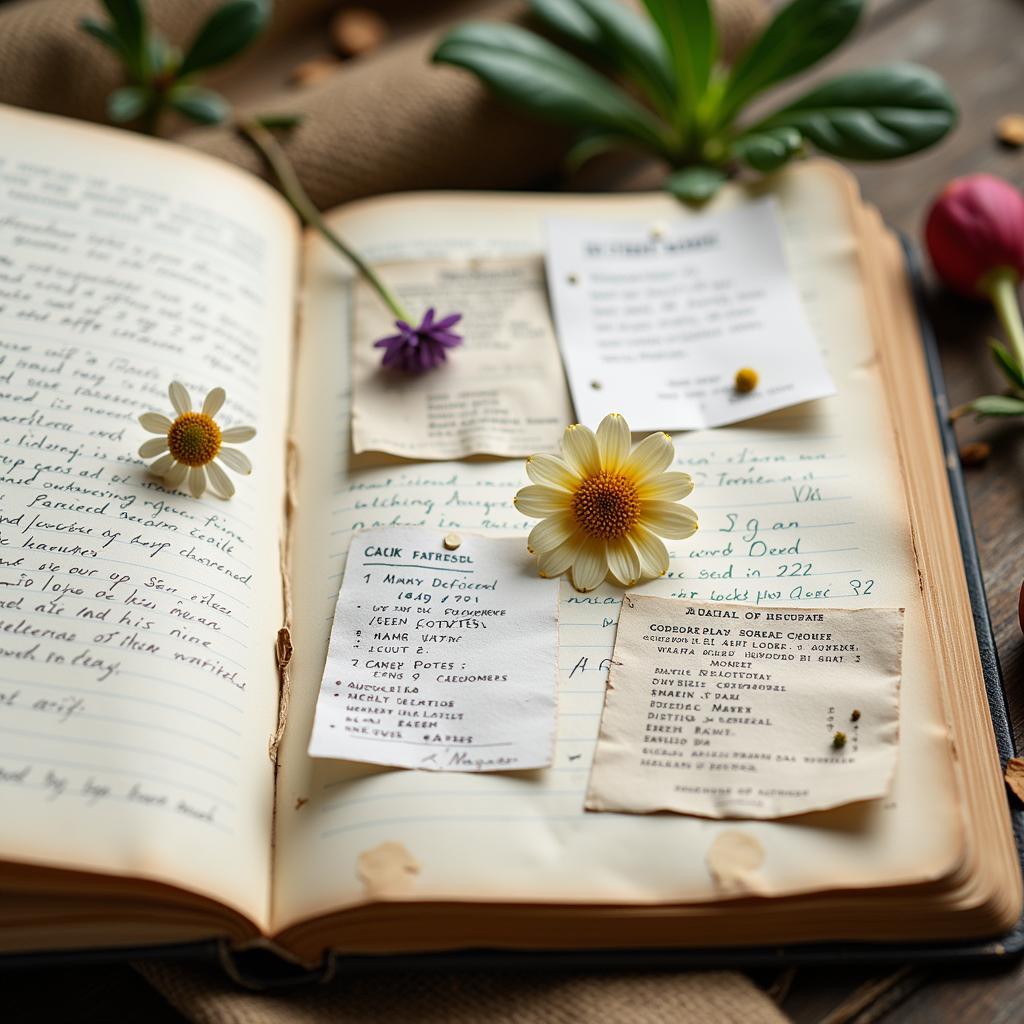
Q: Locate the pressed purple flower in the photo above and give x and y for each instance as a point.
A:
(418, 349)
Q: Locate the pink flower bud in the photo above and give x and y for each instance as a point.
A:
(975, 227)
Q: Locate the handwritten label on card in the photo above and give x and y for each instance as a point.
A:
(729, 711)
(655, 320)
(442, 655)
(502, 392)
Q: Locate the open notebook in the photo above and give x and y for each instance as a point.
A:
(139, 627)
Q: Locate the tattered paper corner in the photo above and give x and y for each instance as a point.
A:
(388, 870)
(1014, 776)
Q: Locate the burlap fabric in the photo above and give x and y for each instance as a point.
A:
(205, 996)
(383, 123)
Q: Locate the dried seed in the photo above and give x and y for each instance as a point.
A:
(357, 30)
(975, 453)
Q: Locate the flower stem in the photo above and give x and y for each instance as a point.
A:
(300, 202)
(1001, 287)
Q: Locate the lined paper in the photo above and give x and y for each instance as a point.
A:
(804, 507)
(136, 690)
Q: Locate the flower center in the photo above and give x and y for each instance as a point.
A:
(194, 438)
(606, 505)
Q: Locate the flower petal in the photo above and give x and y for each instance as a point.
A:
(537, 501)
(551, 532)
(579, 449)
(162, 465)
(179, 397)
(591, 565)
(613, 442)
(653, 455)
(155, 422)
(236, 460)
(154, 446)
(668, 519)
(449, 321)
(236, 435)
(196, 481)
(652, 551)
(555, 561)
(666, 487)
(220, 482)
(552, 471)
(175, 476)
(623, 561)
(214, 400)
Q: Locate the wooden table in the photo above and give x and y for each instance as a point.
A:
(977, 46)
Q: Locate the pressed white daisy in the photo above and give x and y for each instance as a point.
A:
(190, 443)
(604, 506)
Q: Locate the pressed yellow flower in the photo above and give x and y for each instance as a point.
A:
(190, 443)
(603, 507)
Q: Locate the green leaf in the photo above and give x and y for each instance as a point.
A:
(688, 30)
(569, 19)
(203, 106)
(695, 184)
(801, 34)
(533, 73)
(996, 405)
(127, 104)
(281, 121)
(873, 114)
(129, 18)
(1007, 363)
(635, 45)
(228, 31)
(767, 151)
(590, 145)
(163, 58)
(103, 33)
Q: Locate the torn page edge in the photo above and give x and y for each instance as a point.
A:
(283, 644)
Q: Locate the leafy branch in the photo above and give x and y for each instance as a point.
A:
(160, 76)
(657, 83)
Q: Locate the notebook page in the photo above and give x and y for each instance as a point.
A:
(803, 507)
(137, 685)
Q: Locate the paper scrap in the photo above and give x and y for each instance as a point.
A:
(502, 392)
(440, 658)
(725, 710)
(654, 321)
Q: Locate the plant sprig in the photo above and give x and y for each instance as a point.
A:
(159, 75)
(1001, 287)
(663, 88)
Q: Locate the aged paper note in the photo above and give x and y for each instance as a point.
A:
(443, 655)
(655, 318)
(731, 711)
(502, 392)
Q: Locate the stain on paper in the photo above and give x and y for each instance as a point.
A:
(387, 870)
(734, 860)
